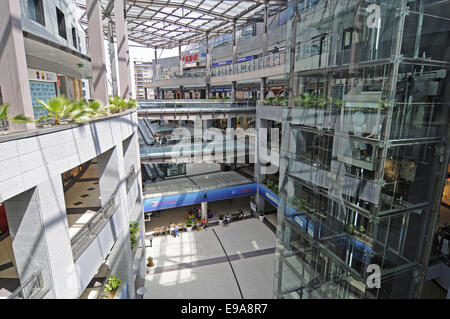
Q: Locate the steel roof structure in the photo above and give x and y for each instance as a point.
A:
(167, 24)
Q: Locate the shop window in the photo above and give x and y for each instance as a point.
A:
(61, 23)
(36, 11)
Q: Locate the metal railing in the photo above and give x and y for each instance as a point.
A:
(266, 62)
(262, 63)
(30, 288)
(93, 226)
(154, 190)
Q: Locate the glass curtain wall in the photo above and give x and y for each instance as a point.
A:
(364, 146)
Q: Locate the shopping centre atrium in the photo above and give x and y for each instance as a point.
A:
(257, 149)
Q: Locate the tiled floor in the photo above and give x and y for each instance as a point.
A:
(82, 199)
(231, 262)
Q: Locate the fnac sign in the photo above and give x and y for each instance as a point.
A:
(190, 58)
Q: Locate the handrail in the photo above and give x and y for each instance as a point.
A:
(29, 288)
(266, 62)
(93, 225)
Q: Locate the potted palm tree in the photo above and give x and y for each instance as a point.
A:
(19, 119)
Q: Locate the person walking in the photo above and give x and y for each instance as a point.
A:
(175, 231)
(150, 238)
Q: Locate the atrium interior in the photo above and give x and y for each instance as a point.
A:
(221, 149)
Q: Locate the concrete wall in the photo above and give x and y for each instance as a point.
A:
(31, 188)
(50, 30)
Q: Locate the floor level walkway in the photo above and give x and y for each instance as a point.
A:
(232, 262)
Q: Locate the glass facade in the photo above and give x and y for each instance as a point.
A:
(364, 146)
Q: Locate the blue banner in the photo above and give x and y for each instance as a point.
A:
(180, 200)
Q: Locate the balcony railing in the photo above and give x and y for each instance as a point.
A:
(93, 227)
(269, 61)
(30, 288)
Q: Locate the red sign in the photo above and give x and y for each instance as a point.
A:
(59, 81)
(190, 58)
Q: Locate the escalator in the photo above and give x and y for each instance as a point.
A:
(150, 128)
(148, 172)
(159, 171)
(145, 134)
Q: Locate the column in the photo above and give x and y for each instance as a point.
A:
(233, 90)
(260, 123)
(234, 43)
(262, 90)
(208, 67)
(155, 66)
(180, 58)
(123, 51)
(265, 37)
(112, 58)
(181, 93)
(291, 48)
(205, 210)
(97, 49)
(14, 85)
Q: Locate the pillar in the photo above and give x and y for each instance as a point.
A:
(265, 37)
(234, 43)
(233, 90)
(155, 66)
(205, 210)
(181, 92)
(208, 67)
(123, 51)
(97, 49)
(260, 123)
(14, 85)
(112, 58)
(180, 58)
(262, 90)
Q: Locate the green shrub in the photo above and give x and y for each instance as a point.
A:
(134, 228)
(112, 283)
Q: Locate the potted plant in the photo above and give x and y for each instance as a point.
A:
(134, 228)
(221, 217)
(112, 283)
(351, 229)
(189, 224)
(261, 216)
(150, 262)
(19, 119)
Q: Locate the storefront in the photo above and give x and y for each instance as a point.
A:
(43, 86)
